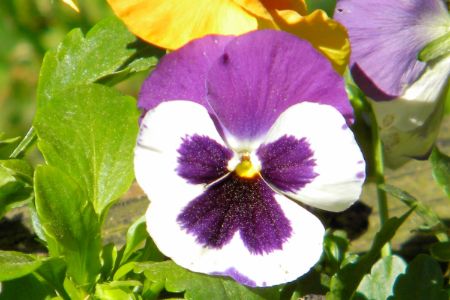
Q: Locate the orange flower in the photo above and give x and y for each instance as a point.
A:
(171, 24)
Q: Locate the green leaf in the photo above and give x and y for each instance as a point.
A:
(7, 145)
(74, 292)
(24, 144)
(109, 257)
(345, 282)
(441, 169)
(436, 49)
(423, 280)
(150, 252)
(145, 58)
(70, 223)
(124, 270)
(16, 264)
(90, 133)
(326, 5)
(25, 287)
(80, 60)
(441, 251)
(4, 142)
(430, 218)
(116, 290)
(16, 179)
(199, 286)
(136, 235)
(335, 245)
(53, 270)
(380, 282)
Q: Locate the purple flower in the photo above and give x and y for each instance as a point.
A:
(237, 130)
(386, 39)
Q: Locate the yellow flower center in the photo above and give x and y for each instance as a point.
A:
(245, 168)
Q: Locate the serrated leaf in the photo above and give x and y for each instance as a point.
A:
(16, 264)
(90, 132)
(379, 283)
(82, 60)
(441, 251)
(68, 219)
(345, 282)
(441, 169)
(198, 286)
(422, 280)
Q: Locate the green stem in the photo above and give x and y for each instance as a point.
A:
(379, 180)
(27, 141)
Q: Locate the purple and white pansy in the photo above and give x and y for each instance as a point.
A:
(236, 131)
(407, 94)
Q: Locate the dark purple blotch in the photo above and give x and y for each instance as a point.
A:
(287, 163)
(202, 159)
(237, 204)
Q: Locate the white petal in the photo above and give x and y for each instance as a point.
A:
(161, 133)
(410, 124)
(300, 252)
(339, 162)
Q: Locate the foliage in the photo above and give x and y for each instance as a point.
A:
(85, 130)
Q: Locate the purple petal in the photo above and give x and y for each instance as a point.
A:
(202, 159)
(237, 204)
(181, 75)
(386, 37)
(233, 273)
(287, 163)
(261, 74)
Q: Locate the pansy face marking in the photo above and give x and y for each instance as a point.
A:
(242, 201)
(227, 147)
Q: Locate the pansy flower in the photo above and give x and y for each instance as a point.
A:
(408, 94)
(237, 131)
(171, 24)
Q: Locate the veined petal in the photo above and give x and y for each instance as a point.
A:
(298, 254)
(333, 168)
(386, 41)
(164, 165)
(182, 73)
(260, 75)
(171, 24)
(325, 34)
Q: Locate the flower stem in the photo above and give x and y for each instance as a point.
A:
(378, 168)
(27, 141)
